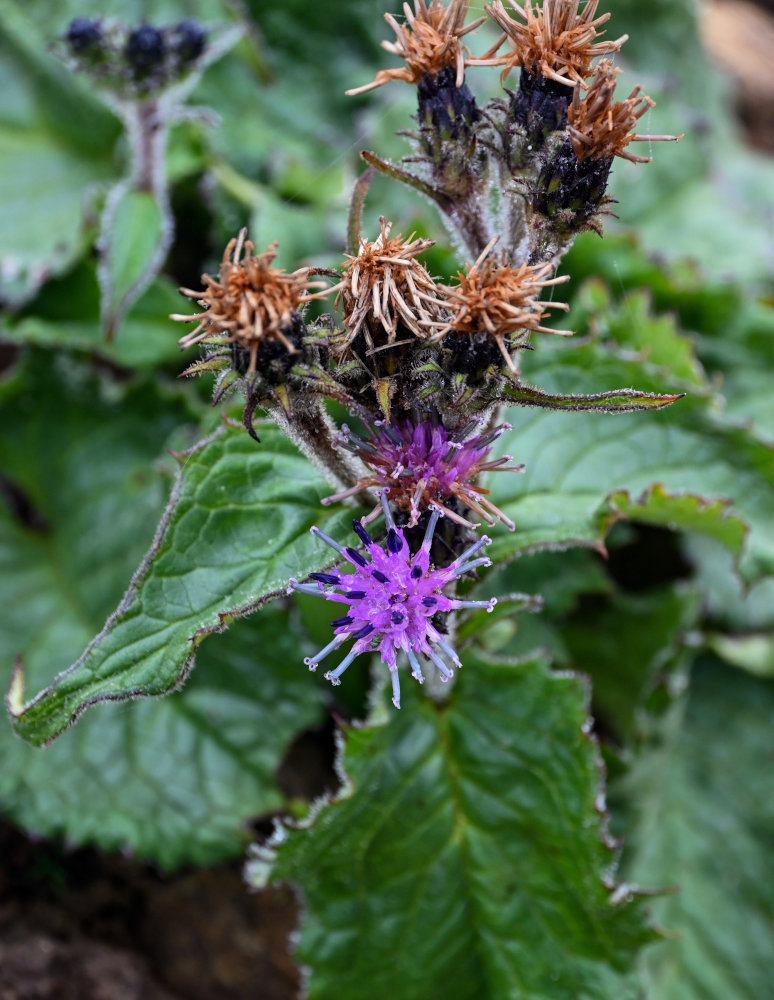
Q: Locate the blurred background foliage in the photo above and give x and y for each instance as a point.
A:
(677, 639)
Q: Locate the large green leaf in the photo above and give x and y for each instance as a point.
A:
(171, 778)
(703, 821)
(466, 856)
(694, 454)
(236, 528)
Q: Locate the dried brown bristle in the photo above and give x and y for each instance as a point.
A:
(250, 301)
(386, 285)
(601, 128)
(556, 39)
(429, 41)
(494, 298)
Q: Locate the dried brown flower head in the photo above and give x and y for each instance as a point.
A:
(556, 40)
(600, 128)
(250, 302)
(429, 41)
(384, 285)
(494, 298)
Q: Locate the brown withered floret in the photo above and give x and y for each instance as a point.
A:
(384, 286)
(429, 42)
(601, 128)
(496, 299)
(556, 39)
(250, 302)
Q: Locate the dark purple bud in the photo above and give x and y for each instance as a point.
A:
(397, 617)
(416, 572)
(363, 632)
(361, 533)
(188, 40)
(429, 602)
(356, 595)
(355, 556)
(145, 49)
(324, 578)
(346, 620)
(83, 34)
(381, 577)
(394, 541)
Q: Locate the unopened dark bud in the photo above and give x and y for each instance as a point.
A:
(272, 359)
(445, 107)
(188, 40)
(83, 35)
(540, 105)
(145, 50)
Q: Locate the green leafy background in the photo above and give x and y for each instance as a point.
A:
(468, 850)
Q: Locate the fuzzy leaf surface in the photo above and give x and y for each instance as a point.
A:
(466, 856)
(236, 528)
(699, 460)
(173, 779)
(702, 820)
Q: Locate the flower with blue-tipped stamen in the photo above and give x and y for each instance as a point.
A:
(392, 597)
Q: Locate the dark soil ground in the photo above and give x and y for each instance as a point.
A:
(80, 925)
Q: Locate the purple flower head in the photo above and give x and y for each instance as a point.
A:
(391, 599)
(424, 465)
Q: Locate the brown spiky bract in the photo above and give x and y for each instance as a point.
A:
(498, 300)
(250, 302)
(601, 128)
(429, 42)
(556, 39)
(384, 286)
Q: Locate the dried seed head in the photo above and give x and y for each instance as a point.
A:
(429, 41)
(495, 299)
(555, 40)
(385, 286)
(250, 302)
(600, 128)
(423, 465)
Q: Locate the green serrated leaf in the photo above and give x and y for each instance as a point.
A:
(173, 779)
(681, 512)
(702, 821)
(561, 498)
(235, 530)
(469, 843)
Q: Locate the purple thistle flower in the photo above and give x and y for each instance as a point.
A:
(424, 465)
(391, 598)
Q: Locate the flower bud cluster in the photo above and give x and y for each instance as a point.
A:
(422, 364)
(140, 60)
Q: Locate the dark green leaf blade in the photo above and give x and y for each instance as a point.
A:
(174, 779)
(467, 856)
(700, 460)
(703, 821)
(236, 528)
